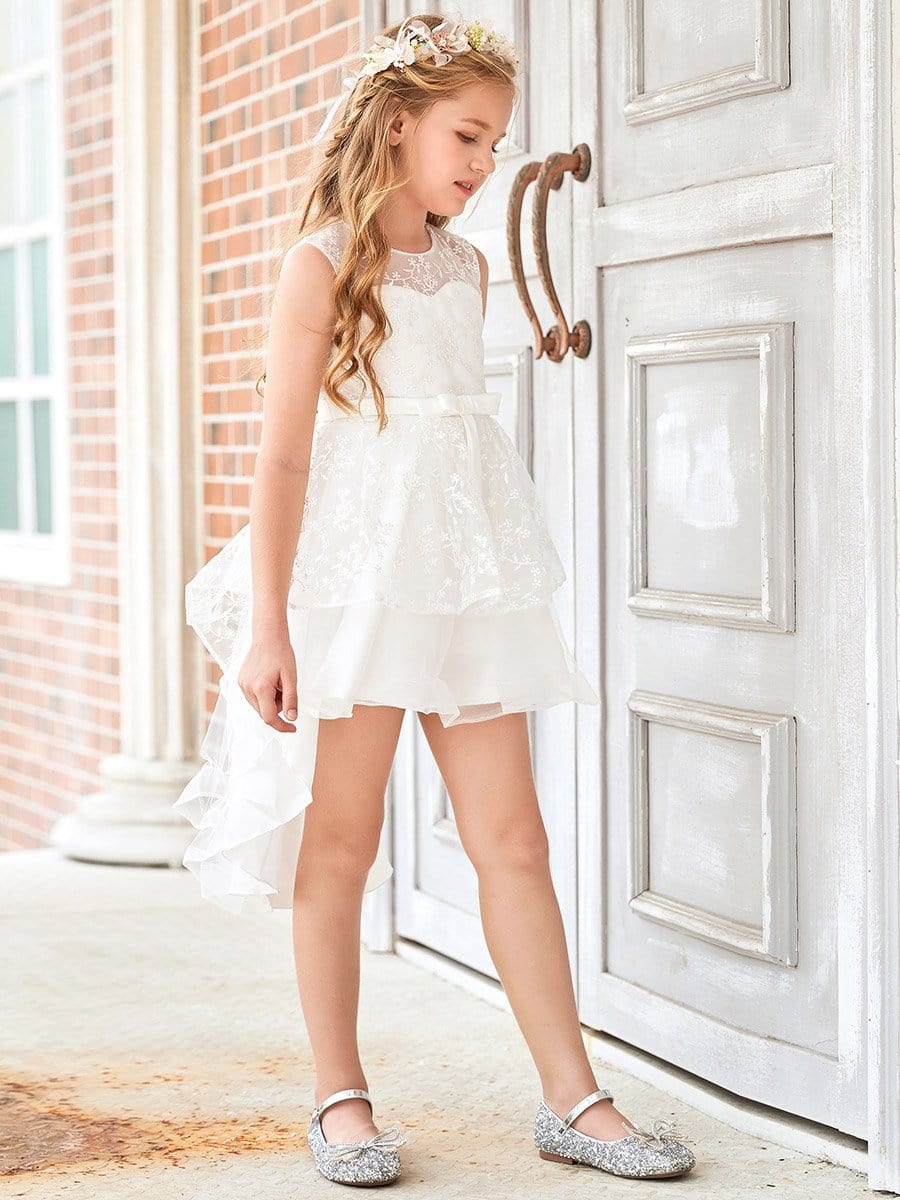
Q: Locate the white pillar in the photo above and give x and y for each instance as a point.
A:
(155, 61)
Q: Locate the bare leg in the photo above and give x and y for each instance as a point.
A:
(340, 840)
(486, 766)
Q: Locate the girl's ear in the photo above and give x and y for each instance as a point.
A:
(397, 123)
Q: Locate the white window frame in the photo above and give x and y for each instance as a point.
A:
(32, 557)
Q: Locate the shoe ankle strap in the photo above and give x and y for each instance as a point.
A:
(344, 1094)
(578, 1109)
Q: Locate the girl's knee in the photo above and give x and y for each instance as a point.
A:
(341, 848)
(504, 849)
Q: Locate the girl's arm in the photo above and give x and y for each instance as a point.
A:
(299, 345)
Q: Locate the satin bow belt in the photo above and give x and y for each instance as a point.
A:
(438, 404)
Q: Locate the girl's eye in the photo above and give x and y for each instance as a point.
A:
(472, 139)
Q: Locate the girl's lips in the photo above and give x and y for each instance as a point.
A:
(465, 191)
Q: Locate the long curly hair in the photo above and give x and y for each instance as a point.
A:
(352, 176)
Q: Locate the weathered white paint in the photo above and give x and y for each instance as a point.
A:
(757, 31)
(776, 163)
(780, 206)
(747, 496)
(867, 248)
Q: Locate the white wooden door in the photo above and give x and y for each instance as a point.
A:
(436, 886)
(719, 547)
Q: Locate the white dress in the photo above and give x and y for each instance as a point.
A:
(423, 578)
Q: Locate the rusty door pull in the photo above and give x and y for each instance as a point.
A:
(549, 174)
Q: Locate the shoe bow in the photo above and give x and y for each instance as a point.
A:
(344, 1151)
(661, 1129)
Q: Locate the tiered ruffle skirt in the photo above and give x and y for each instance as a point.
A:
(423, 579)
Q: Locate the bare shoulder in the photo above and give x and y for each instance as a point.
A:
(304, 285)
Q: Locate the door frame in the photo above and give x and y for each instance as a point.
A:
(864, 144)
(864, 263)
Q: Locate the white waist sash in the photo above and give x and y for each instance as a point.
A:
(438, 404)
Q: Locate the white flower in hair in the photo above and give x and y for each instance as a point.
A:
(416, 41)
(383, 53)
(450, 35)
(481, 35)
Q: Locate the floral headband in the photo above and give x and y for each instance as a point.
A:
(416, 41)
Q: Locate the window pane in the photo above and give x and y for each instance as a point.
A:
(43, 500)
(36, 137)
(7, 312)
(39, 308)
(6, 33)
(35, 28)
(7, 158)
(9, 467)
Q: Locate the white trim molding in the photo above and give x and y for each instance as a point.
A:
(768, 72)
(865, 365)
(772, 346)
(131, 820)
(775, 939)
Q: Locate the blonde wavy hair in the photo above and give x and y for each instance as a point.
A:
(352, 177)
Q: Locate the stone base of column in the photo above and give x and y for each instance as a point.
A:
(131, 821)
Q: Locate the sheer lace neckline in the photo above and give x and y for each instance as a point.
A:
(418, 253)
(449, 257)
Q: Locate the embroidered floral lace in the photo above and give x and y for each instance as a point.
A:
(400, 518)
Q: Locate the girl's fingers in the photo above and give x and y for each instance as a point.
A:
(268, 710)
(289, 697)
(271, 697)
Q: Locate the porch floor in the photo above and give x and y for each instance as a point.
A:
(139, 1061)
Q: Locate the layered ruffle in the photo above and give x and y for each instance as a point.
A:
(248, 800)
(465, 666)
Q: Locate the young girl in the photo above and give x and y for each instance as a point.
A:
(396, 557)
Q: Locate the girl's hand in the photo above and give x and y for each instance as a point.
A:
(268, 679)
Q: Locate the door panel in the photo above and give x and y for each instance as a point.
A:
(722, 786)
(699, 91)
(715, 794)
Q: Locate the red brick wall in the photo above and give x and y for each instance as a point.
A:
(267, 74)
(59, 693)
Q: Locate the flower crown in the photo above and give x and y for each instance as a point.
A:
(416, 41)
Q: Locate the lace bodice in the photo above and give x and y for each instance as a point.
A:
(433, 303)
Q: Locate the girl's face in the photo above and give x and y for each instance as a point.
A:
(453, 144)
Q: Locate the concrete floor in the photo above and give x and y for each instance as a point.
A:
(153, 1046)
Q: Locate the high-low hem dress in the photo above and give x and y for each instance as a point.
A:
(423, 578)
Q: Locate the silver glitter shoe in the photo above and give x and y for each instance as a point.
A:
(642, 1154)
(370, 1162)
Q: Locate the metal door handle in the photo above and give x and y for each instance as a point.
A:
(549, 174)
